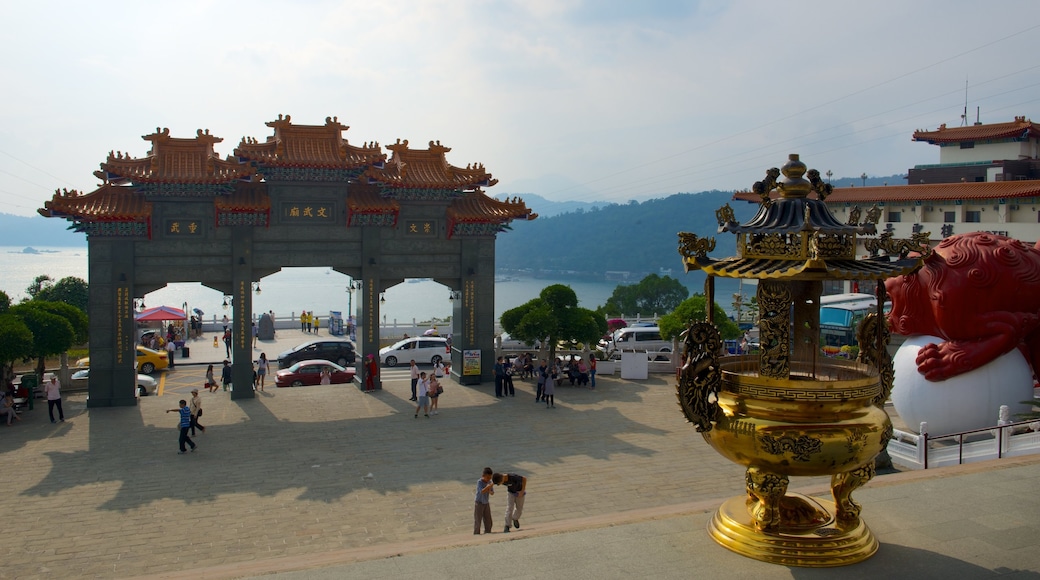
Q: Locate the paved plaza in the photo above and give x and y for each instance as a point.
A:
(329, 482)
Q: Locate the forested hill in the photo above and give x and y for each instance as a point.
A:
(635, 237)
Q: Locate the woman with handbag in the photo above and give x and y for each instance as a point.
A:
(435, 392)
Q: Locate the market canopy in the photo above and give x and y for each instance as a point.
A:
(161, 313)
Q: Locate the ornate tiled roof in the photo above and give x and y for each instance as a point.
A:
(759, 268)
(248, 205)
(175, 161)
(365, 207)
(470, 214)
(795, 237)
(1021, 127)
(426, 174)
(985, 190)
(296, 151)
(109, 204)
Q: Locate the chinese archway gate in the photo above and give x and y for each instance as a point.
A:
(304, 197)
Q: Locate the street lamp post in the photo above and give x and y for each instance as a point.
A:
(829, 174)
(864, 178)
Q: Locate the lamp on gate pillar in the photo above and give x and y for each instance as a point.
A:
(454, 295)
(354, 285)
(256, 288)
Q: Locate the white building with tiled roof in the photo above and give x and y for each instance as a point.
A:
(987, 179)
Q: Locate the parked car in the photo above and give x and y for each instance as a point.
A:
(421, 349)
(308, 372)
(640, 338)
(148, 360)
(146, 385)
(507, 342)
(338, 351)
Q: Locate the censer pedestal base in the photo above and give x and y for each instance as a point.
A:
(819, 546)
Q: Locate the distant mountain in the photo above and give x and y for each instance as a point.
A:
(638, 238)
(38, 231)
(548, 208)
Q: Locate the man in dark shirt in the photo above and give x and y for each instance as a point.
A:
(516, 485)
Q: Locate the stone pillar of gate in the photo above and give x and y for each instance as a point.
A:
(242, 312)
(112, 343)
(474, 315)
(368, 307)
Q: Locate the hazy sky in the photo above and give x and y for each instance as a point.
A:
(585, 100)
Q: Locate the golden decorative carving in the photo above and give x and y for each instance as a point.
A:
(776, 245)
(764, 187)
(774, 307)
(873, 215)
(725, 216)
(854, 214)
(838, 246)
(765, 490)
(692, 245)
(842, 486)
(800, 447)
(700, 377)
(919, 242)
(821, 188)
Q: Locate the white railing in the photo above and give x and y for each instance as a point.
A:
(923, 451)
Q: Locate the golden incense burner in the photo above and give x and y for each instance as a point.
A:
(788, 410)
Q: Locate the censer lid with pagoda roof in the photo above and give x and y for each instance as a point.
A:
(794, 236)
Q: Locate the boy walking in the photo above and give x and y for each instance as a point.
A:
(516, 485)
(482, 505)
(185, 424)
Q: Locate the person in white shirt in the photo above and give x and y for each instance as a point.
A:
(422, 388)
(53, 389)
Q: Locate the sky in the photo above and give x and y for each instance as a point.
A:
(580, 100)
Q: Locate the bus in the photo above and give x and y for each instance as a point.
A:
(840, 314)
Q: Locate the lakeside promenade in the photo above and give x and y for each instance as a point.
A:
(328, 482)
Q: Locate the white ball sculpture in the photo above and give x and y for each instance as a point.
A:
(967, 401)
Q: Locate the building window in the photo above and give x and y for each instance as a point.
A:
(967, 144)
(949, 216)
(973, 217)
(894, 216)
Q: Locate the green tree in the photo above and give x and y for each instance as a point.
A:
(55, 327)
(38, 285)
(5, 302)
(15, 344)
(70, 290)
(693, 309)
(652, 295)
(554, 316)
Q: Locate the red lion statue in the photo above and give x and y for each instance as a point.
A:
(980, 292)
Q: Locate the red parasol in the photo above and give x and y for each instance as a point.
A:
(161, 313)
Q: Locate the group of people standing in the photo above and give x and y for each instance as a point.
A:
(309, 322)
(426, 390)
(516, 489)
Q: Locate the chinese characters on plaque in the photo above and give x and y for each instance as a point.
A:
(316, 213)
(182, 227)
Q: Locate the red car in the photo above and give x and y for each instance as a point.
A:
(308, 372)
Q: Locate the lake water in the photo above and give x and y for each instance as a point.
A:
(321, 290)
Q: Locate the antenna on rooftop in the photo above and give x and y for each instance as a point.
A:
(964, 115)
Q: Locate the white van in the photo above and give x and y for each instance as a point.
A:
(637, 338)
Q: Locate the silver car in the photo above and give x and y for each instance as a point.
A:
(146, 385)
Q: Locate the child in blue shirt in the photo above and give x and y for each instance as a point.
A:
(185, 424)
